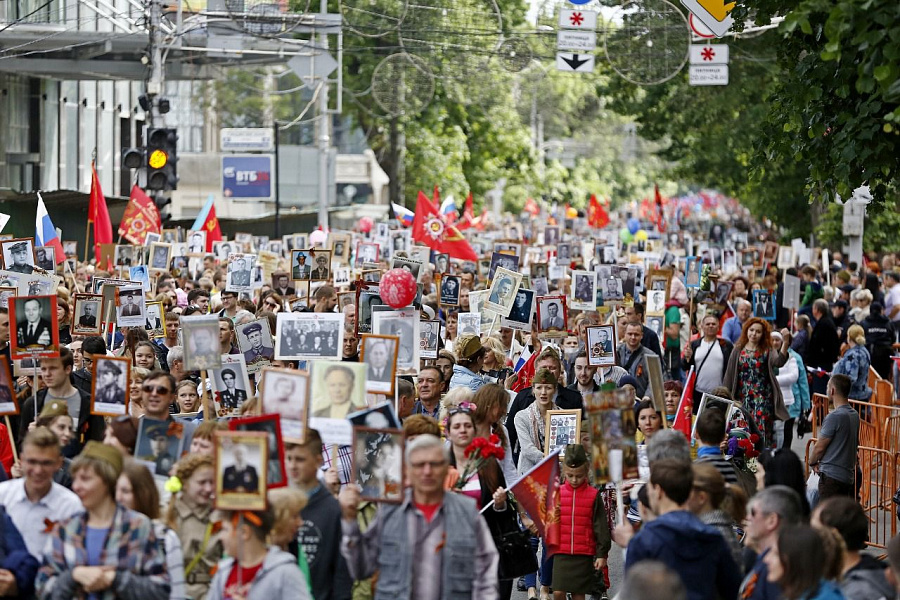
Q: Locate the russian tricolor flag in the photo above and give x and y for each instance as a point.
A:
(449, 210)
(45, 232)
(403, 214)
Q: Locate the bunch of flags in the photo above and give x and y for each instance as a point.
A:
(429, 228)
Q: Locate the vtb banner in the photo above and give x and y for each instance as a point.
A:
(140, 218)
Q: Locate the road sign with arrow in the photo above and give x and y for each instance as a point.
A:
(715, 14)
(575, 63)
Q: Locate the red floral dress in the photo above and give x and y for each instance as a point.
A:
(756, 394)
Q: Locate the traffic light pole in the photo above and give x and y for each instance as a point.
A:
(157, 68)
(324, 140)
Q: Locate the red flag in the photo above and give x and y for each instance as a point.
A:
(429, 229)
(537, 491)
(531, 207)
(686, 406)
(597, 215)
(211, 225)
(660, 213)
(140, 218)
(468, 218)
(525, 373)
(98, 214)
(726, 314)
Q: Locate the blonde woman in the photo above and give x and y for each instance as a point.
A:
(855, 364)
(495, 360)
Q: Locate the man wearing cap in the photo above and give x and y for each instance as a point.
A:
(240, 274)
(841, 319)
(19, 253)
(301, 269)
(231, 397)
(469, 360)
(157, 434)
(35, 502)
(240, 477)
(108, 389)
(320, 273)
(258, 352)
(34, 329)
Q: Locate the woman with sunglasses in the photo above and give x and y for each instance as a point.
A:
(190, 514)
(271, 302)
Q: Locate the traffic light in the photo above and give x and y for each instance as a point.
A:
(132, 158)
(162, 159)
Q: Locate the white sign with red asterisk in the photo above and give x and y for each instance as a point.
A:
(577, 19)
(709, 54)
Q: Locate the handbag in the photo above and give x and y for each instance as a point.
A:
(516, 558)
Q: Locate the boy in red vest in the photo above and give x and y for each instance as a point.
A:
(584, 539)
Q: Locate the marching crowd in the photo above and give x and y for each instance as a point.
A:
(724, 512)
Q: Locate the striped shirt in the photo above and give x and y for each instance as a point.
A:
(722, 465)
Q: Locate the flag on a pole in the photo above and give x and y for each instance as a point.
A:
(686, 406)
(429, 229)
(141, 217)
(597, 216)
(45, 232)
(537, 491)
(207, 222)
(524, 369)
(660, 212)
(449, 210)
(403, 214)
(98, 214)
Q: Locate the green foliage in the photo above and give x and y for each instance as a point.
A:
(881, 226)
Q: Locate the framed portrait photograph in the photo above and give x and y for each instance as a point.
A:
(8, 403)
(321, 270)
(159, 445)
(723, 292)
(242, 461)
(429, 336)
(563, 427)
(770, 252)
(522, 311)
(111, 382)
(160, 256)
(405, 325)
(612, 290)
(224, 248)
(541, 286)
(764, 304)
(341, 277)
(539, 270)
(709, 401)
(339, 244)
(450, 285)
(18, 255)
(502, 293)
(551, 236)
(301, 264)
(281, 283)
(366, 252)
(37, 327)
(657, 324)
(45, 258)
(656, 302)
(749, 257)
(785, 257)
(378, 464)
(201, 342)
(401, 241)
(655, 388)
(130, 312)
(124, 255)
(240, 267)
(367, 297)
(231, 385)
(38, 285)
(276, 476)
(7, 292)
(152, 238)
(155, 322)
(379, 354)
(337, 389)
(441, 262)
(552, 315)
(584, 290)
(564, 252)
(276, 247)
(245, 241)
(171, 236)
(600, 345)
(468, 322)
(140, 274)
(70, 248)
(196, 242)
(415, 267)
(299, 336)
(285, 392)
(254, 340)
(510, 262)
(345, 298)
(87, 314)
(380, 416)
(692, 272)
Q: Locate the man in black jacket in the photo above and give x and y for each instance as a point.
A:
(650, 340)
(565, 398)
(709, 356)
(93, 346)
(880, 338)
(824, 346)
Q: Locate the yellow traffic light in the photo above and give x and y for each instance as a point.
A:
(158, 159)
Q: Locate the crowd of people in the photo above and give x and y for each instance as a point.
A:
(721, 510)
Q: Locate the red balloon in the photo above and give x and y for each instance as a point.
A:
(398, 288)
(365, 224)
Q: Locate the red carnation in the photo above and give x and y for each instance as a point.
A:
(494, 439)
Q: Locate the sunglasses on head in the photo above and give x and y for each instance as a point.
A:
(459, 409)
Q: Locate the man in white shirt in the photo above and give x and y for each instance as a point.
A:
(892, 295)
(709, 357)
(35, 503)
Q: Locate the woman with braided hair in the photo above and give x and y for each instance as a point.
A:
(190, 514)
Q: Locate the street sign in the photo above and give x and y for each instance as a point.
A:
(854, 215)
(577, 19)
(313, 66)
(715, 14)
(580, 41)
(709, 54)
(246, 139)
(699, 29)
(247, 176)
(579, 2)
(577, 63)
(708, 75)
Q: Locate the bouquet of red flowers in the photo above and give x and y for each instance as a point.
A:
(478, 452)
(742, 448)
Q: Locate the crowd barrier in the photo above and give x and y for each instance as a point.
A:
(878, 455)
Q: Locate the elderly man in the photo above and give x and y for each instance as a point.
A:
(731, 331)
(631, 354)
(460, 561)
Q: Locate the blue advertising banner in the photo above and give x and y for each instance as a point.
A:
(247, 176)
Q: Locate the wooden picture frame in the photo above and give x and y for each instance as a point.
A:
(92, 324)
(241, 465)
(276, 475)
(548, 320)
(561, 427)
(379, 378)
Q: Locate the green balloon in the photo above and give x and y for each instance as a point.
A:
(625, 235)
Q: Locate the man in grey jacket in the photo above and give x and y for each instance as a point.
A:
(451, 563)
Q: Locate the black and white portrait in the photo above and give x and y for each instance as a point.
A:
(401, 241)
(405, 325)
(270, 425)
(130, 312)
(378, 464)
(87, 314)
(601, 345)
(502, 293)
(538, 270)
(612, 289)
(552, 314)
(656, 302)
(140, 274)
(241, 470)
(254, 340)
(238, 276)
(551, 236)
(285, 392)
(37, 328)
(124, 255)
(506, 261)
(196, 242)
(201, 342)
(764, 304)
(657, 324)
(45, 258)
(379, 353)
(368, 298)
(522, 311)
(231, 384)
(468, 323)
(366, 252)
(408, 264)
(449, 290)
(299, 336)
(157, 445)
(160, 256)
(541, 286)
(155, 319)
(110, 382)
(441, 263)
(223, 249)
(321, 270)
(70, 248)
(584, 290)
(18, 255)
